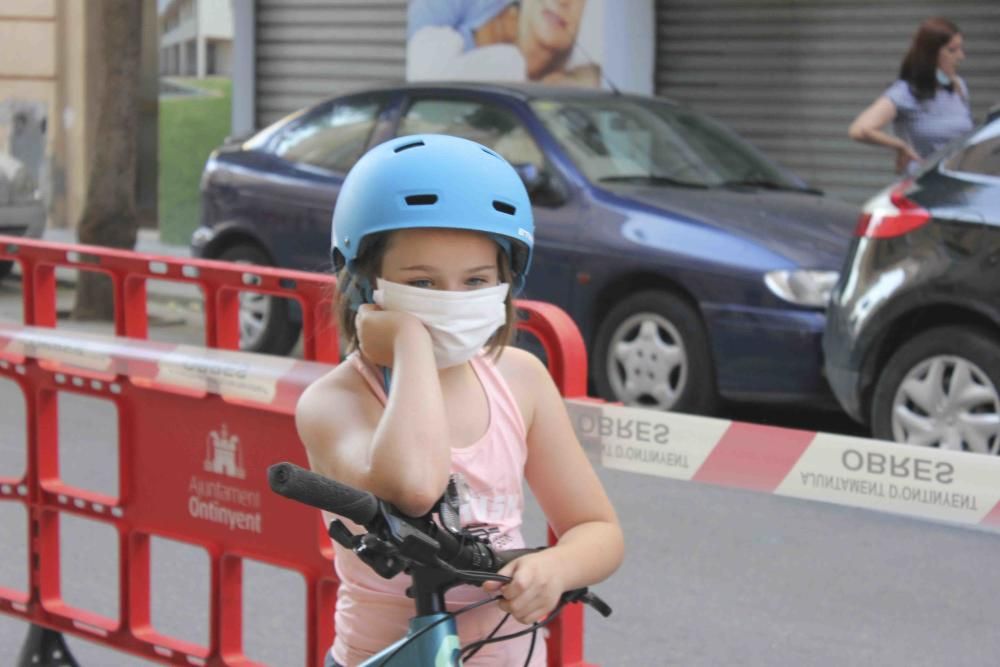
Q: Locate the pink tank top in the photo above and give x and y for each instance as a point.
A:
(373, 612)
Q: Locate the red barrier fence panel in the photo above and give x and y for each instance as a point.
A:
(197, 429)
(220, 283)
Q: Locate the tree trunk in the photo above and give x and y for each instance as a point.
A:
(109, 213)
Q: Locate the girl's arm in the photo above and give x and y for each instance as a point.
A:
(402, 453)
(590, 545)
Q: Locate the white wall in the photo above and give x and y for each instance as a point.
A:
(629, 45)
(243, 69)
(215, 18)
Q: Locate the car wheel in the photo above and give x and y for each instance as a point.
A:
(652, 351)
(5, 268)
(264, 322)
(942, 389)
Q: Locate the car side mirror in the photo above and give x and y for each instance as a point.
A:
(534, 178)
(542, 188)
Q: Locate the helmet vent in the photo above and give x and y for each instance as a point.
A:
(422, 200)
(412, 144)
(504, 207)
(489, 152)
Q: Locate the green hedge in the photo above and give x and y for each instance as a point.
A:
(191, 126)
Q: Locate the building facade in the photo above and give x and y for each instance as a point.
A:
(196, 37)
(47, 48)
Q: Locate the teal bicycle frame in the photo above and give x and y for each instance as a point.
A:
(435, 646)
(432, 639)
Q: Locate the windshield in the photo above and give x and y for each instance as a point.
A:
(627, 139)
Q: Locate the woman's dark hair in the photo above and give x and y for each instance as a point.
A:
(368, 266)
(919, 68)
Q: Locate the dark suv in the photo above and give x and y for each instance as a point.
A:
(912, 344)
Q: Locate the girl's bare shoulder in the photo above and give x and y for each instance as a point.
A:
(335, 400)
(527, 377)
(516, 361)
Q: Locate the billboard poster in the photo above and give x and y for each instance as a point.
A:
(556, 42)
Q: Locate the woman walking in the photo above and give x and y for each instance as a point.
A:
(928, 104)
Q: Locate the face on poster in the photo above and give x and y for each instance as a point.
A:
(556, 42)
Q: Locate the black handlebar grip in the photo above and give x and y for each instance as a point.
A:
(306, 486)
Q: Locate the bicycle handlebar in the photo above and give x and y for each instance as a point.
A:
(305, 486)
(364, 508)
(396, 541)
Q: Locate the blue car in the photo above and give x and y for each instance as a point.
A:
(695, 267)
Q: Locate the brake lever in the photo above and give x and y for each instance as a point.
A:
(591, 599)
(341, 535)
(379, 555)
(473, 576)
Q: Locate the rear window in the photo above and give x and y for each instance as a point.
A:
(980, 155)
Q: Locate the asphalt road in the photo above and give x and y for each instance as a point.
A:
(712, 576)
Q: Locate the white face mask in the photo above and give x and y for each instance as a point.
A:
(460, 323)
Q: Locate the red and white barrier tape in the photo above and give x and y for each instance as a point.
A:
(922, 482)
(928, 483)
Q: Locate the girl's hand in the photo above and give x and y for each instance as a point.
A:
(535, 589)
(904, 156)
(378, 331)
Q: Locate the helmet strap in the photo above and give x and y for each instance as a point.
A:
(357, 291)
(505, 244)
(508, 247)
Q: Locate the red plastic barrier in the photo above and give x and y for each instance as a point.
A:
(201, 479)
(220, 282)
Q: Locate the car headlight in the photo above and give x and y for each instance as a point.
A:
(210, 165)
(802, 287)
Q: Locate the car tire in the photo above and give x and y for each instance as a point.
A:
(264, 320)
(941, 389)
(657, 339)
(6, 266)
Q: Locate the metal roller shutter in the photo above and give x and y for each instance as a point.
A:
(307, 50)
(790, 75)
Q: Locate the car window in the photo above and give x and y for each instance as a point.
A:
(333, 138)
(488, 124)
(620, 138)
(981, 155)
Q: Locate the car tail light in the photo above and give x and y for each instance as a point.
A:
(891, 214)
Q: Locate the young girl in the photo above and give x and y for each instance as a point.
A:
(434, 234)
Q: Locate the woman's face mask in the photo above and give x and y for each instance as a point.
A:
(460, 323)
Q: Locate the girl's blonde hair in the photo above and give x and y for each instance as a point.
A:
(368, 267)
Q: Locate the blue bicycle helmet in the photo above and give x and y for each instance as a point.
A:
(439, 181)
